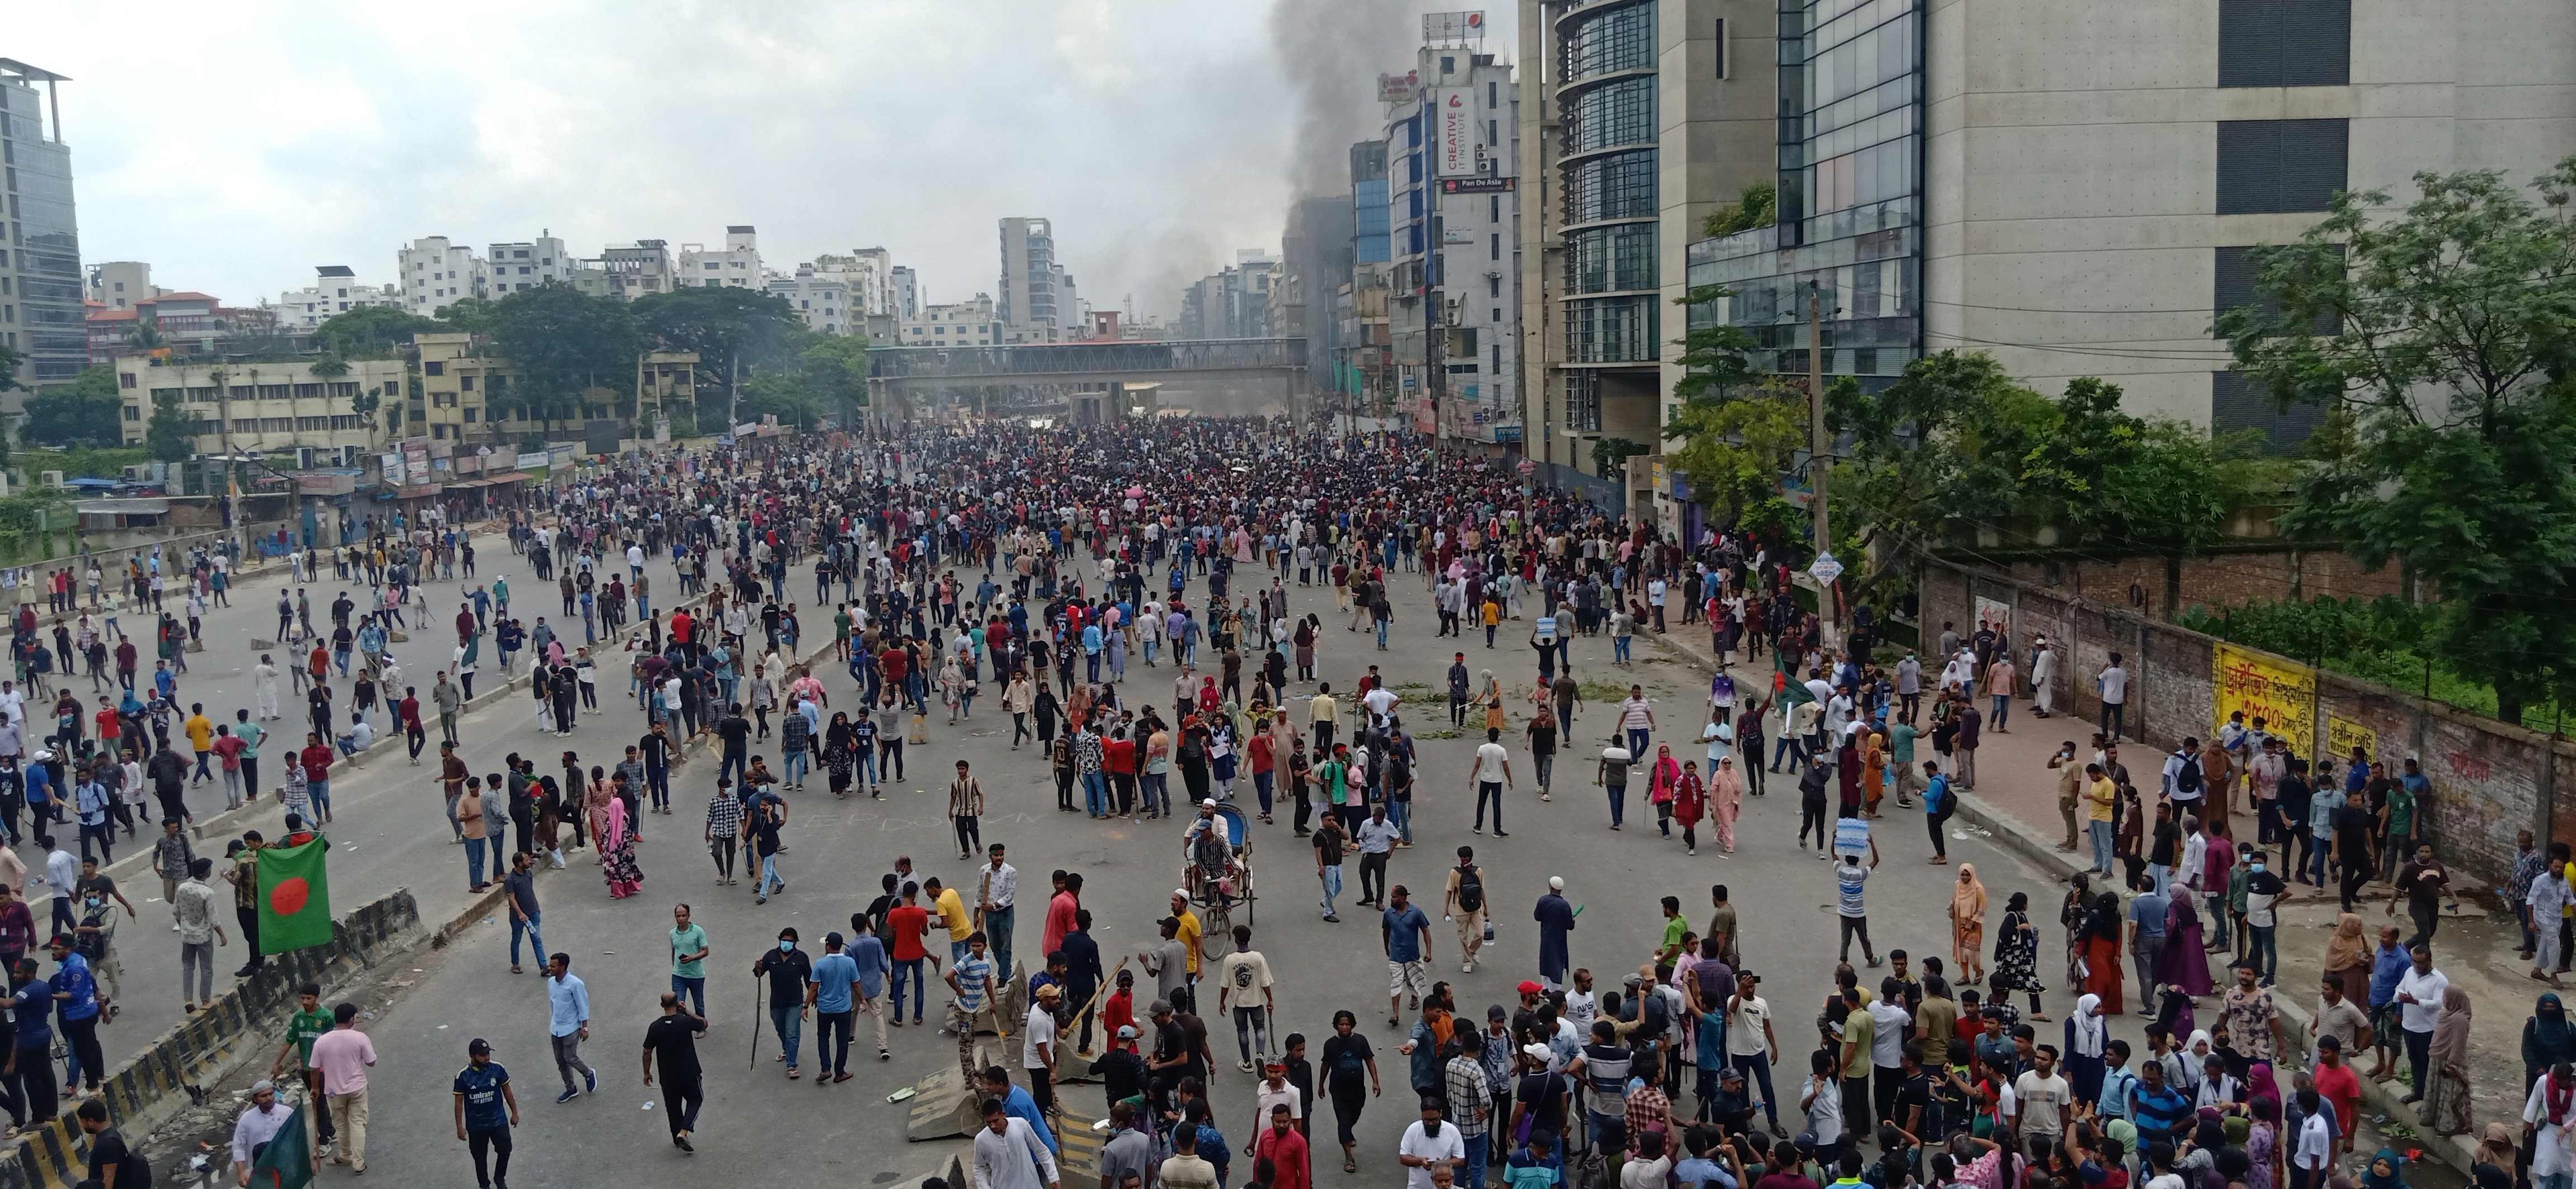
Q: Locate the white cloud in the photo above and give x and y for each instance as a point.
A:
(235, 146)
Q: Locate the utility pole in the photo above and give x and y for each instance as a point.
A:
(1819, 460)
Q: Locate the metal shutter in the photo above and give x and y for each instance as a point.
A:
(2238, 401)
(2284, 43)
(2272, 166)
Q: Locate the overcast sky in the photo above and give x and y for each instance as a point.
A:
(235, 146)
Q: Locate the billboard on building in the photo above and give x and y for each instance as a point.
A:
(1444, 27)
(1398, 88)
(1479, 185)
(1453, 123)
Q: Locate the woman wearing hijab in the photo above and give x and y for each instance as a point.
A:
(2547, 1039)
(2387, 1171)
(617, 850)
(2494, 1164)
(1661, 782)
(2086, 1033)
(2101, 959)
(2185, 961)
(2348, 954)
(2263, 1140)
(1968, 924)
(1725, 800)
(2446, 1104)
(1690, 804)
(2017, 953)
(840, 754)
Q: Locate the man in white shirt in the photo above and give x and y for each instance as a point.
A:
(2419, 1001)
(1428, 1142)
(1008, 1155)
(1490, 776)
(2113, 683)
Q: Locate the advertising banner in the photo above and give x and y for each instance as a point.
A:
(1453, 130)
(2281, 693)
(1444, 27)
(1994, 613)
(1398, 88)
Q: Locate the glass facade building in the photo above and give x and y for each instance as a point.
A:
(1606, 159)
(1850, 198)
(41, 312)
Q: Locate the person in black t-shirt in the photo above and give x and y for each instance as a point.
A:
(671, 1041)
(788, 969)
(108, 1151)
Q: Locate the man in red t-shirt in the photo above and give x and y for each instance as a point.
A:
(2336, 1083)
(316, 758)
(905, 925)
(1118, 758)
(1262, 763)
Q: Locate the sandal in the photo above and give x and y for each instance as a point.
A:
(1350, 1165)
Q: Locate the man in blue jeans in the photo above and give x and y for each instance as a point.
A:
(789, 971)
(521, 885)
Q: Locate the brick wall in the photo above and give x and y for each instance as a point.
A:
(2490, 779)
(2219, 580)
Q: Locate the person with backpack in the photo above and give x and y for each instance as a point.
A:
(1940, 800)
(2185, 782)
(1464, 906)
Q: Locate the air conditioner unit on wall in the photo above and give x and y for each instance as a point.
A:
(52, 479)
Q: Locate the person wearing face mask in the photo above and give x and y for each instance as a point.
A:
(789, 969)
(2264, 892)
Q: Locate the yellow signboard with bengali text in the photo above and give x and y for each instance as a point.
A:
(2281, 693)
(2343, 735)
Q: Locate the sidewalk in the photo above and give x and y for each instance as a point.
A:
(2015, 798)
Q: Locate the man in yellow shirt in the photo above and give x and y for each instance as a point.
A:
(2100, 798)
(1320, 710)
(201, 736)
(951, 911)
(1190, 929)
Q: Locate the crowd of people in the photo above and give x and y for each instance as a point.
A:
(1064, 574)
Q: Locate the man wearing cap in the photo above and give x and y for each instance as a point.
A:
(263, 1119)
(1555, 919)
(1037, 1045)
(1121, 1069)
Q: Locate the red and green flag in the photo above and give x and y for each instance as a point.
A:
(294, 897)
(285, 1162)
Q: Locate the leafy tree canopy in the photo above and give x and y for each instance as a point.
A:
(371, 332)
(564, 342)
(2449, 416)
(86, 412)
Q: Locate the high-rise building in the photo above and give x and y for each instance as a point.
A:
(2081, 197)
(1362, 373)
(539, 261)
(1028, 303)
(737, 264)
(905, 298)
(41, 312)
(335, 289)
(1638, 118)
(824, 302)
(1454, 244)
(118, 284)
(435, 273)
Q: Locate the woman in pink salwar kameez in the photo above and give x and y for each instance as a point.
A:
(1725, 798)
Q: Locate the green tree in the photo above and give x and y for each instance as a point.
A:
(371, 332)
(1735, 451)
(85, 412)
(733, 330)
(2445, 381)
(1713, 354)
(565, 343)
(1758, 206)
(468, 315)
(171, 434)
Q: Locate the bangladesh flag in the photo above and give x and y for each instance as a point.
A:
(294, 897)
